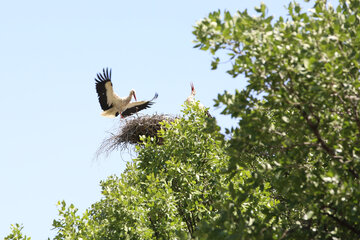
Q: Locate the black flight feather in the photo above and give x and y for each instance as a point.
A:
(135, 109)
(101, 89)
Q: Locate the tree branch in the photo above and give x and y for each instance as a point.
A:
(344, 224)
(315, 129)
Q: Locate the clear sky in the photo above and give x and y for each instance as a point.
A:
(50, 52)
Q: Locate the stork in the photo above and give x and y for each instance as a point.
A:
(113, 105)
(191, 100)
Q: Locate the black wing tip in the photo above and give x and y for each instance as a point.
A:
(103, 77)
(100, 86)
(136, 109)
(107, 75)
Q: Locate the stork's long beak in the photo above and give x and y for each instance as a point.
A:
(134, 96)
(192, 87)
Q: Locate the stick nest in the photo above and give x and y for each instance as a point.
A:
(130, 131)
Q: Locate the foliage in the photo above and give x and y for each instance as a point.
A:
(167, 192)
(299, 118)
(291, 168)
(16, 233)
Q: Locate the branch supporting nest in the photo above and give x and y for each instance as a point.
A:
(130, 131)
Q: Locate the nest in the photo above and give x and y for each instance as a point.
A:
(130, 131)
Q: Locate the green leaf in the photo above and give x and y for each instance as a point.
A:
(351, 19)
(308, 215)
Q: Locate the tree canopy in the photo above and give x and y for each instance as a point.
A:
(291, 167)
(300, 125)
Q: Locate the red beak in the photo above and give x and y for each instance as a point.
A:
(134, 96)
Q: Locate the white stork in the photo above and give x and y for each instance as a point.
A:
(191, 100)
(112, 104)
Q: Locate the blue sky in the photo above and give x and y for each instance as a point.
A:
(51, 126)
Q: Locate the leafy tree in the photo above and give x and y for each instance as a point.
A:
(291, 168)
(167, 192)
(16, 233)
(299, 119)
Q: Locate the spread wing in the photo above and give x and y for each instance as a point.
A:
(135, 107)
(104, 89)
